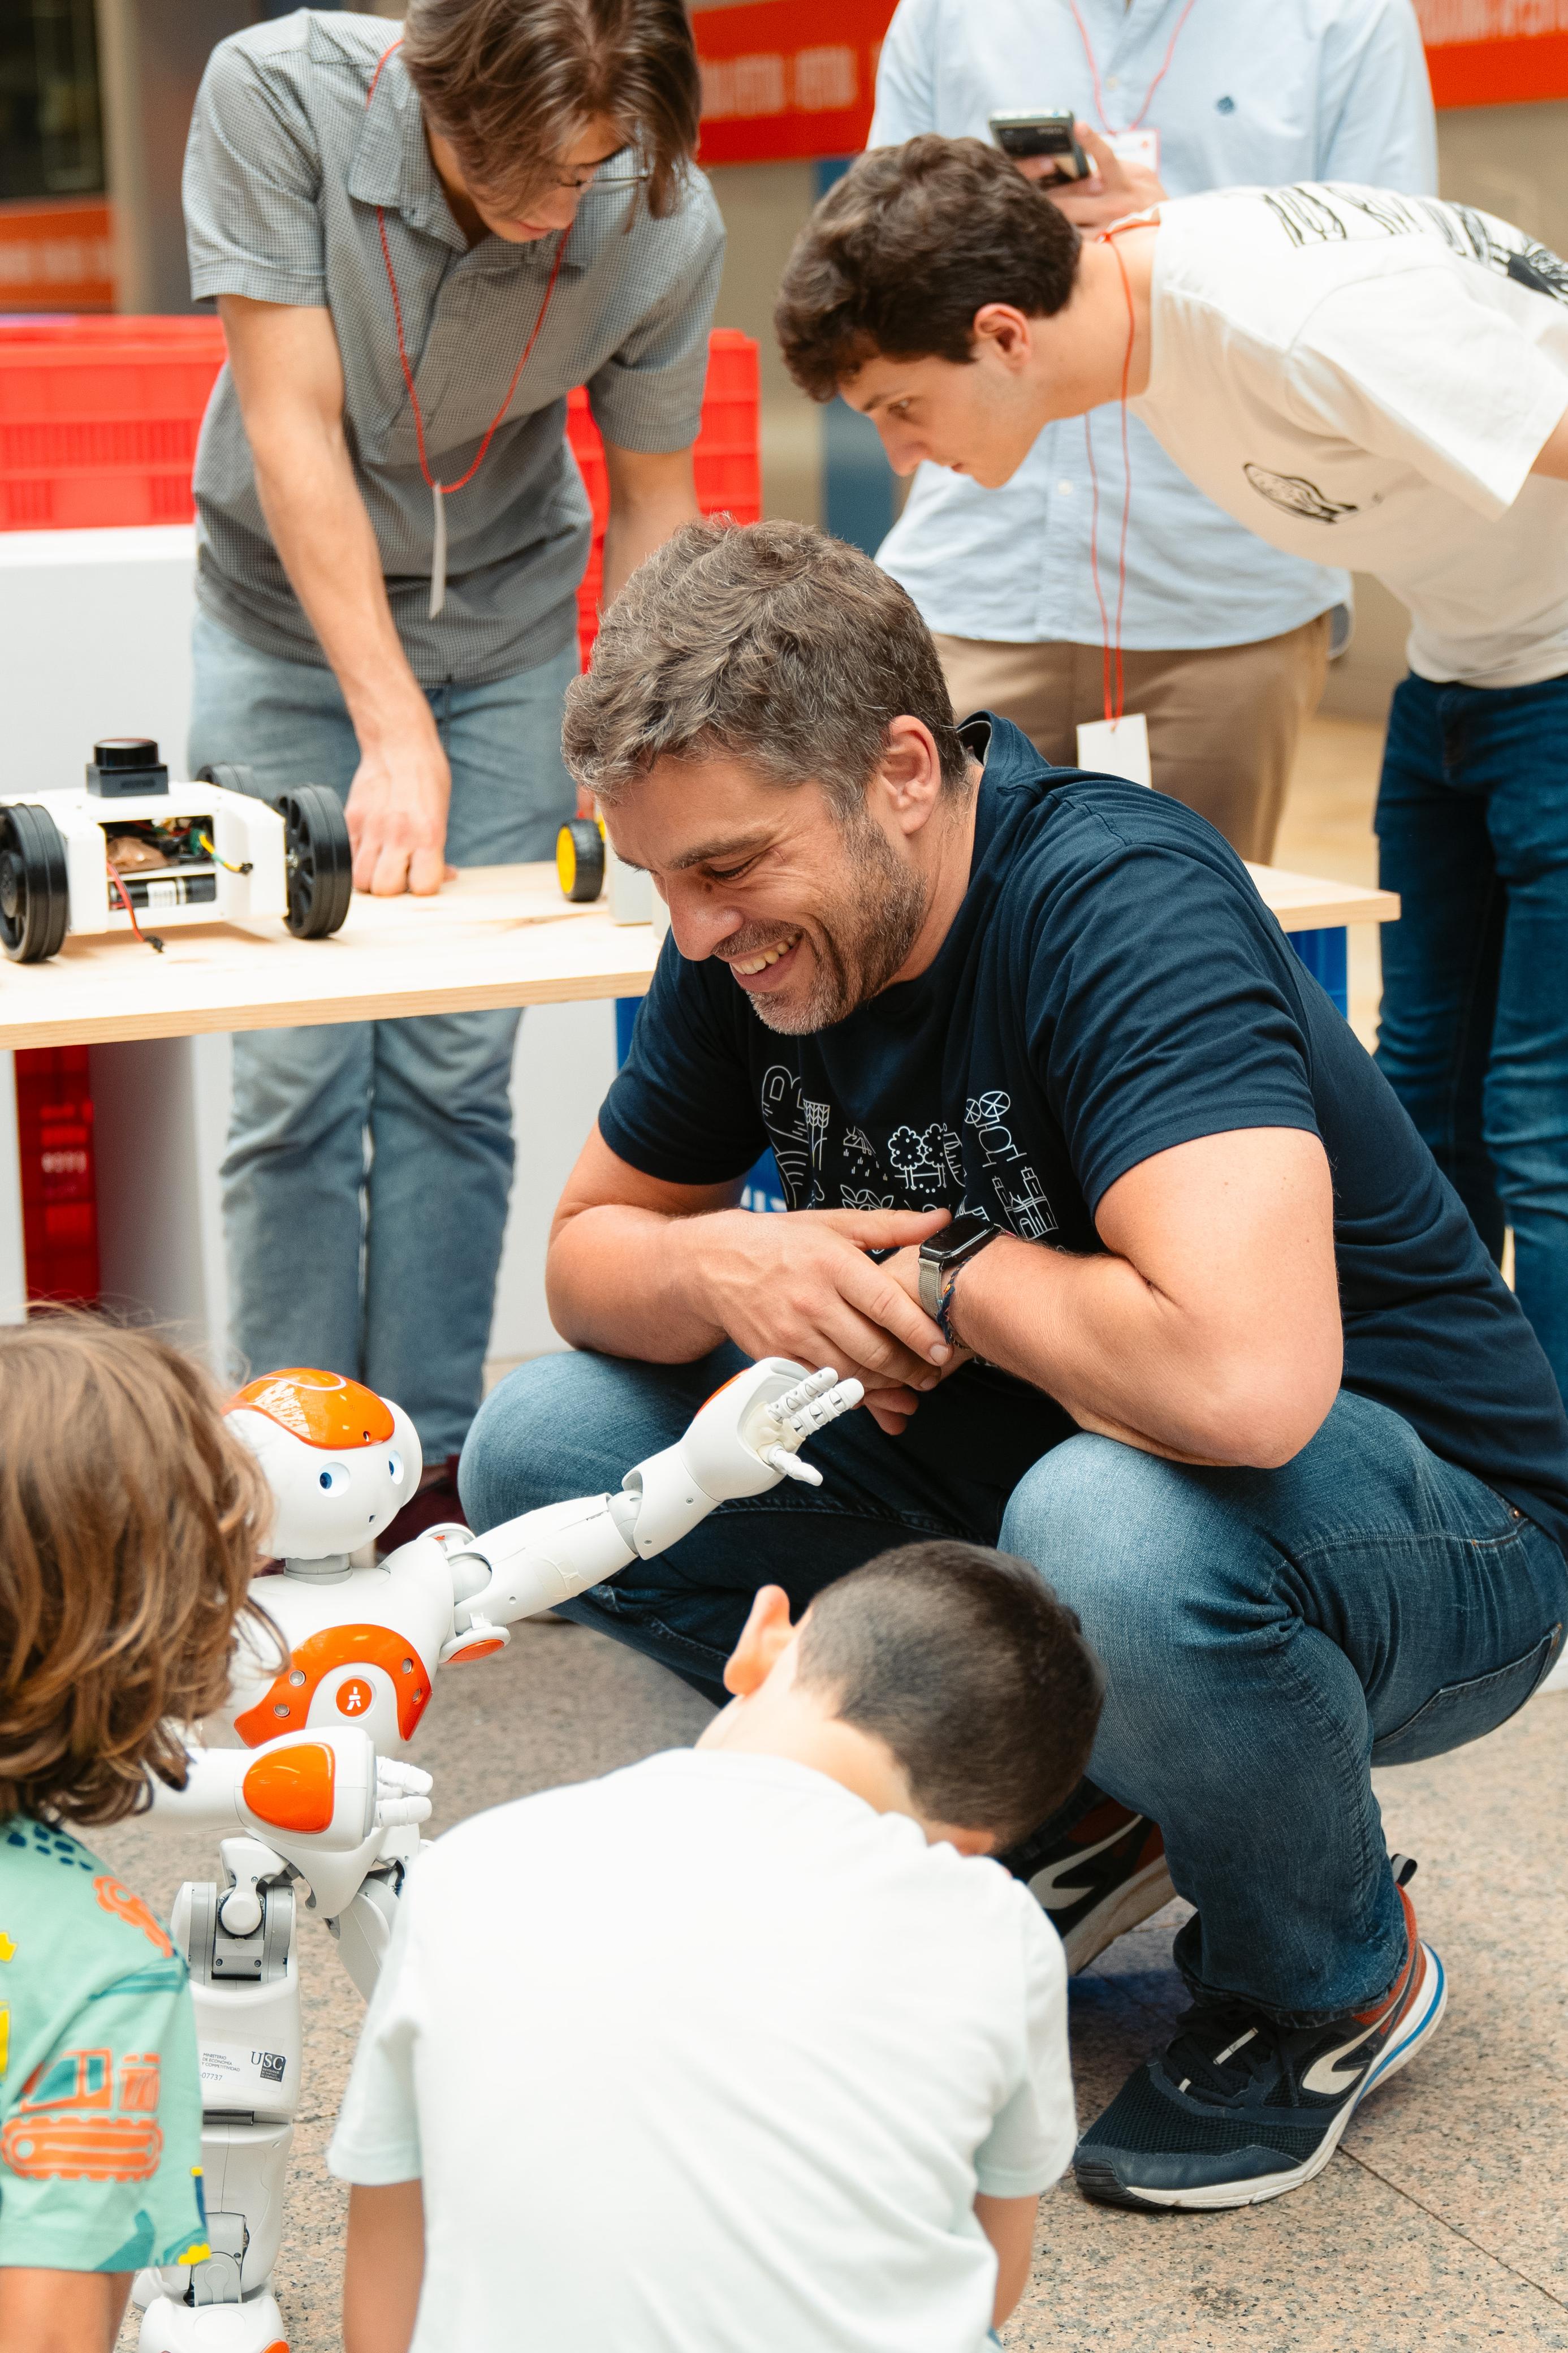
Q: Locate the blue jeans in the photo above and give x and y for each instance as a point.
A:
(1472, 816)
(380, 1262)
(1267, 1635)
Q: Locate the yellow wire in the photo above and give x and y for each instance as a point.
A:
(227, 863)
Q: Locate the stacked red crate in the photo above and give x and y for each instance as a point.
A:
(727, 457)
(60, 1194)
(99, 419)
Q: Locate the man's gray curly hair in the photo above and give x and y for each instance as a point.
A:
(769, 644)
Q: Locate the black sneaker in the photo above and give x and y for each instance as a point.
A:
(1103, 1878)
(1240, 2108)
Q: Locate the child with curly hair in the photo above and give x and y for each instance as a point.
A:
(129, 1534)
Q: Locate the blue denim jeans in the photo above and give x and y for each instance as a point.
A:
(1472, 816)
(1267, 1635)
(369, 1163)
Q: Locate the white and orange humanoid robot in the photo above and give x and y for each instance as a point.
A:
(317, 1792)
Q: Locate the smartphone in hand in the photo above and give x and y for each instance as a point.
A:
(1025, 137)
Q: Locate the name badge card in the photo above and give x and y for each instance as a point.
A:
(1117, 748)
(1136, 147)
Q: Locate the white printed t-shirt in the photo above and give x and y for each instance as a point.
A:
(709, 2057)
(1367, 378)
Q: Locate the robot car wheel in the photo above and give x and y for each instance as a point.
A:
(34, 894)
(319, 859)
(580, 857)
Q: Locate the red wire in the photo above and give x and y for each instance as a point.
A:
(1094, 562)
(1094, 68)
(1115, 713)
(148, 939)
(447, 488)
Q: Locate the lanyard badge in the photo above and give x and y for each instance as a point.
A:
(1118, 743)
(441, 492)
(1140, 147)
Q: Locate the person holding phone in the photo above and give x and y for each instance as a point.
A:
(419, 242)
(1225, 641)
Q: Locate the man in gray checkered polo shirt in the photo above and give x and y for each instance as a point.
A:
(387, 597)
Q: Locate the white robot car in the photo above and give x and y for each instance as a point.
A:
(130, 844)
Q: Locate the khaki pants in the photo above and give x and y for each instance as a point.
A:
(1223, 720)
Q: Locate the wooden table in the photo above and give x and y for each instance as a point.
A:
(499, 935)
(496, 935)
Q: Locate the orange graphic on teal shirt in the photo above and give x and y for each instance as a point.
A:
(125, 1906)
(63, 2128)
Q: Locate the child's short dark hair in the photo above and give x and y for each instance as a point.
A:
(130, 1529)
(963, 1661)
(904, 249)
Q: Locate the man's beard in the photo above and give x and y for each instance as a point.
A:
(860, 939)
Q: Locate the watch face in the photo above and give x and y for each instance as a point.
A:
(962, 1235)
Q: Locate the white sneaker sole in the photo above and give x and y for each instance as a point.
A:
(1136, 1900)
(1421, 2022)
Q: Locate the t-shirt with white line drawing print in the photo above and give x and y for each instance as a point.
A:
(1112, 986)
(1366, 379)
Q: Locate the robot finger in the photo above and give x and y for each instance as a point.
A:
(790, 1466)
(390, 1811)
(803, 1391)
(393, 1774)
(817, 1410)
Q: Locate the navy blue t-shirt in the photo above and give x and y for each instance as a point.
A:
(1112, 986)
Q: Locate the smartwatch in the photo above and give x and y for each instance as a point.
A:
(944, 1253)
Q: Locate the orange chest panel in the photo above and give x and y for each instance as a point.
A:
(285, 1706)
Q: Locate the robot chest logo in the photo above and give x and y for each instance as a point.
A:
(285, 1706)
(825, 1162)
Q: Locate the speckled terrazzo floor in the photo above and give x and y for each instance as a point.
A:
(1441, 2226)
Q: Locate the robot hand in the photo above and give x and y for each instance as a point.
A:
(743, 1440)
(401, 1793)
(303, 1793)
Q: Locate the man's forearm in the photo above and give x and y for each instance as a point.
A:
(652, 493)
(634, 532)
(1121, 1356)
(325, 542)
(620, 1280)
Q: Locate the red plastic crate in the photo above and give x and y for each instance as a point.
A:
(99, 419)
(727, 461)
(60, 1179)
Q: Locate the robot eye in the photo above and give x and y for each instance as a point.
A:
(334, 1478)
(394, 1467)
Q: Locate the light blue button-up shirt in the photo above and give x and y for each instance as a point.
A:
(1298, 89)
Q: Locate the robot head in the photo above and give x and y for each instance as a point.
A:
(340, 1461)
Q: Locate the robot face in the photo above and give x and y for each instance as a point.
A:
(341, 1462)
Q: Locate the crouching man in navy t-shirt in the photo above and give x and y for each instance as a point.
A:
(1212, 1343)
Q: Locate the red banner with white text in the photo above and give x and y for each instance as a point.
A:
(787, 79)
(1495, 52)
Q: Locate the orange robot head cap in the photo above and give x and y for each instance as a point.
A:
(322, 1409)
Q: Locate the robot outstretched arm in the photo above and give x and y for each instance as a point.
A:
(323, 1792)
(743, 1440)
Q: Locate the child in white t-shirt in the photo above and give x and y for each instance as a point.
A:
(746, 2046)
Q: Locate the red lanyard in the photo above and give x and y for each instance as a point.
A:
(444, 489)
(1114, 707)
(1094, 68)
